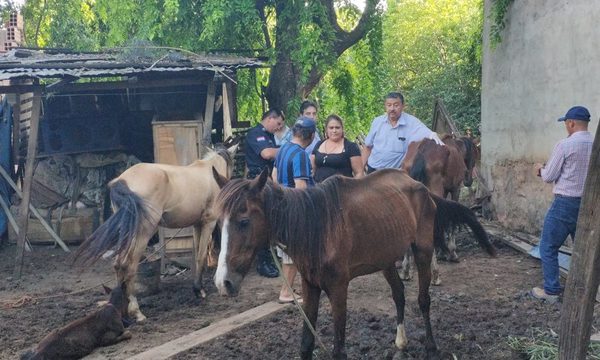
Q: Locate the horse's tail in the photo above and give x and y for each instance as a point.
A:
(418, 170)
(451, 214)
(119, 231)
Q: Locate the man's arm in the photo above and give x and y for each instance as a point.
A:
(551, 171)
(269, 153)
(365, 153)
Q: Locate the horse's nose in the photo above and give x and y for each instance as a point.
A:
(231, 291)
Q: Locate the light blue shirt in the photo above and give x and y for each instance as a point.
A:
(389, 144)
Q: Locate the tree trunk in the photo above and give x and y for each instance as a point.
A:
(584, 274)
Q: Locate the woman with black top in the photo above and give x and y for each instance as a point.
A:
(336, 154)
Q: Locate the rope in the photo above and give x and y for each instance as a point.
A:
(302, 313)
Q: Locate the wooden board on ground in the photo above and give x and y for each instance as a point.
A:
(208, 333)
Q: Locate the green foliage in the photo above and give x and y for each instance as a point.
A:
(543, 345)
(432, 50)
(498, 17)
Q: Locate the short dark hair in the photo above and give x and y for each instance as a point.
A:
(306, 104)
(302, 132)
(273, 113)
(395, 95)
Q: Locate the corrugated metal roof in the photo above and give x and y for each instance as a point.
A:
(25, 63)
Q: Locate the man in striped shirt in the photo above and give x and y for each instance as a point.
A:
(567, 168)
(293, 170)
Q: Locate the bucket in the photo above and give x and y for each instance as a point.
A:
(148, 277)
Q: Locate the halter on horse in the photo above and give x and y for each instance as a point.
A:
(336, 231)
(146, 196)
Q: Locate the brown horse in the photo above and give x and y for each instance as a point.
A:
(336, 231)
(146, 196)
(75, 340)
(443, 169)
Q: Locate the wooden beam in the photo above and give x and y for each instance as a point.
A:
(29, 164)
(133, 83)
(227, 129)
(16, 130)
(209, 113)
(584, 275)
(12, 221)
(208, 333)
(35, 212)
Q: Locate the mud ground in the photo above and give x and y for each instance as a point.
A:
(481, 303)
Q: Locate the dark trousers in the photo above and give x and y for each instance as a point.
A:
(370, 169)
(263, 254)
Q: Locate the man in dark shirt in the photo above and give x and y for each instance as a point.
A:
(260, 152)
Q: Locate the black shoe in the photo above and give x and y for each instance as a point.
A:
(266, 269)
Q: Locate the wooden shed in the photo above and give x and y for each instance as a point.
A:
(157, 104)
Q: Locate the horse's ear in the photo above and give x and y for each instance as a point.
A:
(107, 290)
(220, 179)
(259, 183)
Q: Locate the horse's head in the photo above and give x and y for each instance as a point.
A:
(224, 162)
(244, 229)
(120, 300)
(470, 155)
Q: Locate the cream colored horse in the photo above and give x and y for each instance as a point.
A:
(147, 196)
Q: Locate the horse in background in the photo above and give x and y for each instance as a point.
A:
(338, 230)
(149, 195)
(103, 327)
(444, 170)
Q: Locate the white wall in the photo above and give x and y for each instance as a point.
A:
(548, 61)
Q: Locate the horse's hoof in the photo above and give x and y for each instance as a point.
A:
(139, 318)
(404, 277)
(436, 282)
(200, 293)
(453, 258)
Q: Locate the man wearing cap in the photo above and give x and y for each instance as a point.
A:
(260, 151)
(567, 168)
(390, 134)
(293, 170)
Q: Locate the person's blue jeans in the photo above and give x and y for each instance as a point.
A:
(560, 221)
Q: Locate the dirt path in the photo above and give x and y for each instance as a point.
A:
(481, 303)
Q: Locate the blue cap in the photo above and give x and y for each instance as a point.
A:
(306, 123)
(576, 113)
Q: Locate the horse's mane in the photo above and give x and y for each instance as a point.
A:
(221, 150)
(300, 219)
(471, 151)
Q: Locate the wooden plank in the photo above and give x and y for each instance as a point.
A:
(208, 333)
(16, 130)
(29, 165)
(583, 280)
(227, 129)
(35, 212)
(134, 83)
(209, 114)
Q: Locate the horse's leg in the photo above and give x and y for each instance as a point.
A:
(405, 270)
(127, 270)
(338, 296)
(202, 237)
(452, 256)
(435, 271)
(423, 260)
(391, 275)
(311, 296)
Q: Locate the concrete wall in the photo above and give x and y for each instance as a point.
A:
(548, 61)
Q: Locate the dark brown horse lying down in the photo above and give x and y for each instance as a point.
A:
(336, 231)
(101, 328)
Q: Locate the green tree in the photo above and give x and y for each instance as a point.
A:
(432, 49)
(303, 39)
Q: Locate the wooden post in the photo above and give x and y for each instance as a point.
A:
(16, 130)
(209, 113)
(584, 272)
(29, 164)
(227, 129)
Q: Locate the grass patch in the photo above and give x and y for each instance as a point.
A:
(543, 345)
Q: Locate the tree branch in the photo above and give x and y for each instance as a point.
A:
(260, 6)
(345, 39)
